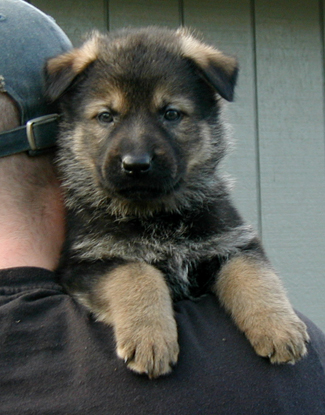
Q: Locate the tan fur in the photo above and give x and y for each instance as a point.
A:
(204, 54)
(113, 99)
(254, 296)
(203, 152)
(135, 300)
(79, 147)
(162, 97)
(77, 59)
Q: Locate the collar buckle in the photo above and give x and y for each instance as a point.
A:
(34, 122)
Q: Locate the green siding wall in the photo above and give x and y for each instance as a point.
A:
(278, 116)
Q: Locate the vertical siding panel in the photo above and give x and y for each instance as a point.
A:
(322, 23)
(142, 13)
(76, 18)
(291, 132)
(228, 25)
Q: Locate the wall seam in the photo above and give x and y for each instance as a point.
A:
(322, 35)
(181, 12)
(257, 123)
(107, 15)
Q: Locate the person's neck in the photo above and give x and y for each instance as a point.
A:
(19, 250)
(32, 241)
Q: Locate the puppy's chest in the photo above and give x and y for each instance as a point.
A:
(177, 246)
(186, 253)
(133, 239)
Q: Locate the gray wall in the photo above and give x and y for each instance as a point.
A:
(278, 116)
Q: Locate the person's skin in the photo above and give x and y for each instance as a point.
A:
(31, 207)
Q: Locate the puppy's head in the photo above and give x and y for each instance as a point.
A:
(141, 111)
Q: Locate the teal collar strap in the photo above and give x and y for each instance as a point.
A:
(36, 136)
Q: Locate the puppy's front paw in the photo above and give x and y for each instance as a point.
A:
(134, 298)
(253, 294)
(280, 338)
(148, 349)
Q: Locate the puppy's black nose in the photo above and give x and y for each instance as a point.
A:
(133, 164)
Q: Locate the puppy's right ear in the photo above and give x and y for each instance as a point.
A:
(218, 69)
(63, 69)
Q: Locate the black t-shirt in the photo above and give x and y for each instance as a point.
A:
(55, 359)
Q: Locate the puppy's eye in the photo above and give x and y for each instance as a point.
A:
(105, 117)
(172, 114)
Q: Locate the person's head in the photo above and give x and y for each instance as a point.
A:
(29, 189)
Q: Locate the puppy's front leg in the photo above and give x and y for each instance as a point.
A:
(135, 300)
(253, 294)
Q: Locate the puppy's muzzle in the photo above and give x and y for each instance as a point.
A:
(139, 171)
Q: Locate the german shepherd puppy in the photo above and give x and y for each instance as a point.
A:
(150, 218)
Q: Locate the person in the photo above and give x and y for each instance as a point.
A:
(54, 358)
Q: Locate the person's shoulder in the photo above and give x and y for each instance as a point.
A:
(27, 278)
(206, 314)
(216, 355)
(317, 340)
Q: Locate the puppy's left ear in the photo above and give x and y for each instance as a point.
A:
(62, 70)
(219, 70)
